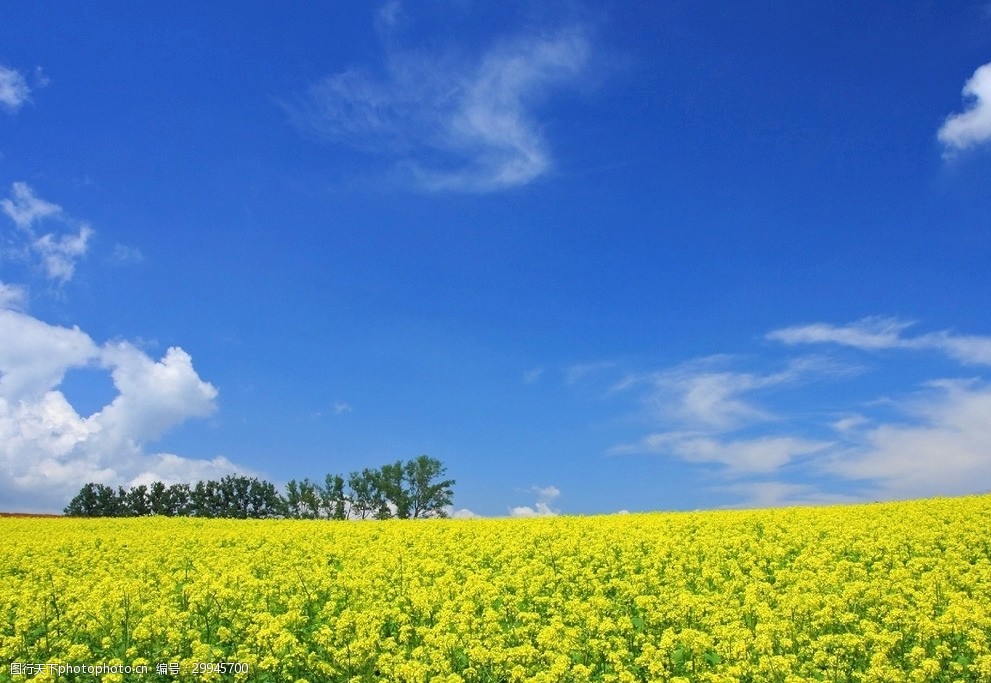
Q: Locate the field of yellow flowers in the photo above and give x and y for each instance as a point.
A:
(875, 593)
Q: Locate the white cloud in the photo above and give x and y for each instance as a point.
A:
(940, 443)
(461, 513)
(972, 126)
(48, 451)
(701, 394)
(14, 90)
(546, 495)
(169, 468)
(342, 407)
(12, 296)
(737, 456)
(153, 395)
(25, 209)
(849, 423)
(387, 17)
(972, 350)
(886, 333)
(34, 356)
(867, 333)
(765, 494)
(582, 371)
(452, 123)
(533, 376)
(944, 447)
(57, 254)
(124, 254)
(711, 399)
(541, 510)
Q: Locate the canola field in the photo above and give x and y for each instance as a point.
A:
(875, 593)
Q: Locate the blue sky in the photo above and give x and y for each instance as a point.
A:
(592, 256)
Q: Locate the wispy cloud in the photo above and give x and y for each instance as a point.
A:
(579, 372)
(533, 375)
(12, 297)
(928, 440)
(764, 494)
(451, 123)
(972, 126)
(57, 253)
(868, 333)
(712, 399)
(886, 333)
(25, 208)
(14, 90)
(707, 393)
(943, 445)
(123, 254)
(736, 456)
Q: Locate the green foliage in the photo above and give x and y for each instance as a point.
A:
(233, 496)
(425, 495)
(413, 489)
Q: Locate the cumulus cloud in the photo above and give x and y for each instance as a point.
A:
(35, 356)
(14, 90)
(972, 126)
(154, 395)
(57, 253)
(886, 333)
(450, 122)
(546, 495)
(48, 450)
(461, 513)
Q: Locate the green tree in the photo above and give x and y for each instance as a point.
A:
(235, 494)
(265, 500)
(137, 501)
(178, 499)
(87, 503)
(158, 499)
(310, 496)
(334, 502)
(394, 497)
(205, 499)
(425, 493)
(364, 493)
(303, 499)
(293, 503)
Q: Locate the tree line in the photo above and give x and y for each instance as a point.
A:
(403, 490)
